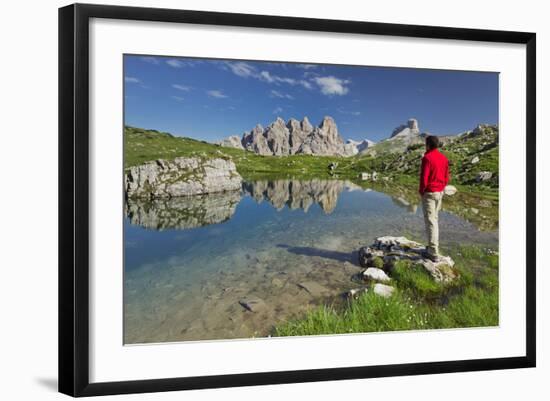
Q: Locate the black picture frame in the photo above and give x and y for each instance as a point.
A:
(74, 198)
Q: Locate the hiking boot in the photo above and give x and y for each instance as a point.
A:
(431, 256)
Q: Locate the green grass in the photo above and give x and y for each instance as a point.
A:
(413, 277)
(417, 303)
(146, 145)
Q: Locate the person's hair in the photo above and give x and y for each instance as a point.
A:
(432, 141)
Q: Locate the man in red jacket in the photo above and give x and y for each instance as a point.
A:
(434, 177)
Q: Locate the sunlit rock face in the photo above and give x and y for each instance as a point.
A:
(183, 212)
(406, 130)
(297, 137)
(182, 176)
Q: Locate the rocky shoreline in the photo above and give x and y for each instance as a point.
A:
(380, 258)
(379, 261)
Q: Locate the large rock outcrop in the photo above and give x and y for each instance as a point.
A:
(297, 137)
(387, 250)
(181, 177)
(233, 141)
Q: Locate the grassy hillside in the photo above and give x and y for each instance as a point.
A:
(146, 145)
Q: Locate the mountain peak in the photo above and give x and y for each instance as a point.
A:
(287, 138)
(406, 130)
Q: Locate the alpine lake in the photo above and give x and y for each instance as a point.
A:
(288, 245)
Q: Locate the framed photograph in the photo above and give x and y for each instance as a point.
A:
(251, 199)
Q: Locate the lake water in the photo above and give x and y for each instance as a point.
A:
(288, 244)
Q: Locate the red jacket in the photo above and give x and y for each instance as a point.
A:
(434, 174)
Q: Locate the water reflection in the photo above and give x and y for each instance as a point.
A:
(202, 210)
(183, 212)
(298, 194)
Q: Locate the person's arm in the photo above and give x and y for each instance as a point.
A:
(424, 173)
(448, 174)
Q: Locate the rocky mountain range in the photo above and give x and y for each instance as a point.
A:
(282, 138)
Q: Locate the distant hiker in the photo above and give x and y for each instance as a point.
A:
(434, 176)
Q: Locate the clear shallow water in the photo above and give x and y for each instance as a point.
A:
(189, 261)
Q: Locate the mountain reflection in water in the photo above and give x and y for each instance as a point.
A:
(202, 210)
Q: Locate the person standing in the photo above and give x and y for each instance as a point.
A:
(434, 177)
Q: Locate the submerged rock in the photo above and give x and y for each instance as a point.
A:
(253, 304)
(313, 288)
(181, 177)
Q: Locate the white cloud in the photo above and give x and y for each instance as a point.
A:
(332, 86)
(132, 80)
(306, 84)
(245, 70)
(278, 110)
(280, 95)
(266, 76)
(306, 66)
(181, 87)
(150, 60)
(242, 69)
(216, 94)
(178, 98)
(175, 63)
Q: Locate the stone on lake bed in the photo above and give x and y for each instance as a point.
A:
(253, 304)
(313, 288)
(375, 274)
(383, 290)
(277, 282)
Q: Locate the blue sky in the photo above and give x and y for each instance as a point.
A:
(212, 99)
